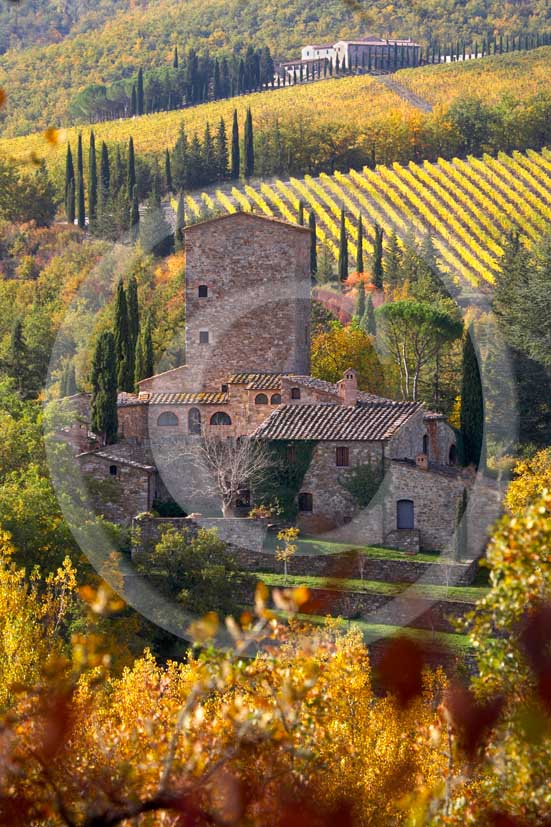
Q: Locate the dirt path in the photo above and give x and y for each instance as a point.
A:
(391, 83)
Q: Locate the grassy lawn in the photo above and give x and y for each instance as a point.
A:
(375, 631)
(314, 546)
(465, 594)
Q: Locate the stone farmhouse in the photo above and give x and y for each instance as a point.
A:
(247, 375)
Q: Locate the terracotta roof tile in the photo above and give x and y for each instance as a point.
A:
(330, 422)
(157, 398)
(257, 381)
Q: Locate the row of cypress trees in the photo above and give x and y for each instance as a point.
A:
(112, 202)
(189, 81)
(114, 189)
(460, 50)
(343, 258)
(122, 357)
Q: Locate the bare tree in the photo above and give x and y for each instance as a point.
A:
(233, 465)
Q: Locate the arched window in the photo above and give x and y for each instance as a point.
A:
(203, 291)
(275, 399)
(220, 418)
(425, 444)
(305, 501)
(404, 514)
(194, 421)
(295, 393)
(167, 418)
(452, 456)
(113, 470)
(261, 399)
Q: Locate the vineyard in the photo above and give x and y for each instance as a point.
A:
(519, 74)
(353, 101)
(467, 206)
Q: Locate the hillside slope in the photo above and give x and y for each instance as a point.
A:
(55, 54)
(348, 114)
(468, 207)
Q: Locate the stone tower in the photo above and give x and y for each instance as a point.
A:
(247, 299)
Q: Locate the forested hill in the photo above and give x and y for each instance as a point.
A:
(49, 51)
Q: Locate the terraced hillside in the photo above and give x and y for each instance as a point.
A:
(468, 206)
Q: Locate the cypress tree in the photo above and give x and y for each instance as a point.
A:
(369, 322)
(81, 208)
(313, 244)
(131, 170)
(134, 215)
(392, 262)
(18, 359)
(104, 420)
(69, 169)
(118, 173)
(343, 250)
(235, 160)
(69, 186)
(377, 268)
(359, 310)
(70, 202)
(210, 171)
(168, 173)
(301, 212)
(133, 312)
(249, 145)
(472, 404)
(139, 93)
(92, 180)
(175, 58)
(68, 382)
(80, 161)
(105, 171)
(179, 232)
(360, 255)
(123, 343)
(221, 151)
(144, 354)
(133, 101)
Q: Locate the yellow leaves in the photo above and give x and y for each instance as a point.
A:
(103, 600)
(205, 629)
(52, 136)
(6, 546)
(531, 478)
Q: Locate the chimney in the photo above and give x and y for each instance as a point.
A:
(348, 388)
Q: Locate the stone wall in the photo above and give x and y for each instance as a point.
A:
(248, 535)
(441, 438)
(118, 498)
(333, 505)
(405, 539)
(355, 565)
(257, 311)
(405, 609)
(435, 495)
(408, 442)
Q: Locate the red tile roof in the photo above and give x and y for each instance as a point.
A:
(330, 422)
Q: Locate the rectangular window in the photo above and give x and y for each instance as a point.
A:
(203, 291)
(291, 454)
(203, 337)
(343, 456)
